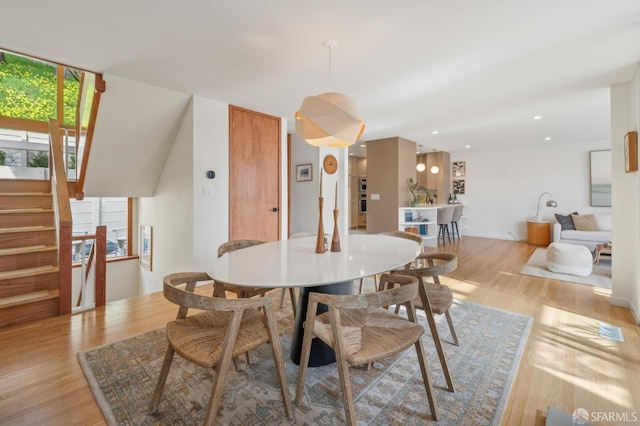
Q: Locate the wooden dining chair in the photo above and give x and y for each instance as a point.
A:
(407, 236)
(400, 234)
(361, 330)
(244, 292)
(434, 297)
(240, 291)
(210, 339)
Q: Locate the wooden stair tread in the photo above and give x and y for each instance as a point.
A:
(22, 299)
(28, 271)
(29, 210)
(26, 249)
(26, 229)
(28, 194)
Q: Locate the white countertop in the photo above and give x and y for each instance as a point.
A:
(433, 206)
(294, 262)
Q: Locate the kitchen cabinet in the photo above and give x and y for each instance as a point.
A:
(439, 182)
(362, 167)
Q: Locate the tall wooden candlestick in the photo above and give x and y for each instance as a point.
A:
(320, 234)
(335, 240)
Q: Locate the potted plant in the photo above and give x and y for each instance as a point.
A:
(415, 188)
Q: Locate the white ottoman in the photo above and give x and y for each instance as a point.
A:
(569, 259)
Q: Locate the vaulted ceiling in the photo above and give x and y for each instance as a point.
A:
(477, 72)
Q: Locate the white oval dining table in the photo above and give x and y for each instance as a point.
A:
(294, 263)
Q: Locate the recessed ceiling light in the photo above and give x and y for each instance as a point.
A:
(435, 132)
(547, 138)
(537, 117)
(467, 146)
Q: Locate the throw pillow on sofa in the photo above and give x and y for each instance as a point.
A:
(585, 222)
(565, 221)
(604, 221)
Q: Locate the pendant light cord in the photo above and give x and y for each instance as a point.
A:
(330, 82)
(330, 44)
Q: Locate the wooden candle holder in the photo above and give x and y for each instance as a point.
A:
(335, 240)
(320, 234)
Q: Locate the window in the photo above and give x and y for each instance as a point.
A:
(114, 213)
(29, 89)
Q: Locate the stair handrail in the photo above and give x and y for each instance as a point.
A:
(100, 87)
(63, 218)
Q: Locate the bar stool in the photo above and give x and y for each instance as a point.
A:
(457, 214)
(445, 215)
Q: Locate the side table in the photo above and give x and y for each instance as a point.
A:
(602, 249)
(538, 232)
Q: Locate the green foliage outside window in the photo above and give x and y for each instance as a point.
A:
(39, 159)
(28, 89)
(3, 157)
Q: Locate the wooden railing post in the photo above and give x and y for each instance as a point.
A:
(64, 223)
(101, 265)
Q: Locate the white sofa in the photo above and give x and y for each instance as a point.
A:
(588, 239)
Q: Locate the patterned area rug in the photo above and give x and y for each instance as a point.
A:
(600, 276)
(122, 376)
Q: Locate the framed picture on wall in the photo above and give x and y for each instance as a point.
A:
(631, 152)
(458, 186)
(600, 172)
(458, 169)
(304, 172)
(146, 246)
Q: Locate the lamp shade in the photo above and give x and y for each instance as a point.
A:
(330, 119)
(550, 203)
(435, 169)
(420, 167)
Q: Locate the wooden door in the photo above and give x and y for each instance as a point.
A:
(254, 175)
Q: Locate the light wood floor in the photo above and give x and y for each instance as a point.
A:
(565, 363)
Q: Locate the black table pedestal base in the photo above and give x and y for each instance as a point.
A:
(321, 354)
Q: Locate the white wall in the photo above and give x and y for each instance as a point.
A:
(341, 178)
(136, 127)
(304, 195)
(7, 172)
(502, 186)
(121, 282)
(189, 212)
(170, 211)
(119, 277)
(210, 152)
(625, 117)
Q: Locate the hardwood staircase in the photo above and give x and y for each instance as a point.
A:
(29, 275)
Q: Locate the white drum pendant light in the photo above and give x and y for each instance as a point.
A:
(329, 119)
